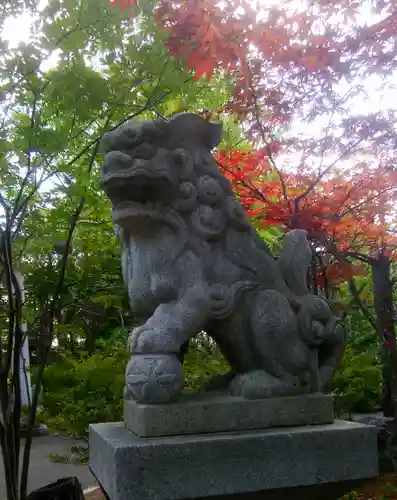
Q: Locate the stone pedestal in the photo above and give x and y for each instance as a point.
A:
(309, 462)
(203, 413)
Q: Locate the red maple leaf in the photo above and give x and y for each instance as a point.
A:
(123, 4)
(204, 68)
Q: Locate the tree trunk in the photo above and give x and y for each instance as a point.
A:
(383, 302)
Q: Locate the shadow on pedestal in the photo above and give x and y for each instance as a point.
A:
(315, 492)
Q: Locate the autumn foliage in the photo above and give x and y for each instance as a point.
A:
(123, 4)
(348, 211)
(279, 53)
(287, 62)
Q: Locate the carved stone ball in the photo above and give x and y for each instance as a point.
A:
(153, 378)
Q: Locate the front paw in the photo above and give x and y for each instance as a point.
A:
(140, 338)
(145, 340)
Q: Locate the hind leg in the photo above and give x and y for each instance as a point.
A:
(277, 338)
(258, 384)
(282, 360)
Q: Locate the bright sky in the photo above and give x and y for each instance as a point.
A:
(17, 30)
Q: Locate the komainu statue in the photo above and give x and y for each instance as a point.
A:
(192, 262)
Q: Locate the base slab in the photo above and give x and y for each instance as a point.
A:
(212, 412)
(203, 466)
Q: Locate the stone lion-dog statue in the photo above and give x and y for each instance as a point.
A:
(192, 262)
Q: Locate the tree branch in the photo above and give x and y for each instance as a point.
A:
(69, 32)
(356, 297)
(49, 333)
(322, 174)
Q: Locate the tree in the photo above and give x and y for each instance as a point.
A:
(290, 63)
(301, 50)
(308, 62)
(345, 220)
(52, 219)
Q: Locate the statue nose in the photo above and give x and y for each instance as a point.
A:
(116, 161)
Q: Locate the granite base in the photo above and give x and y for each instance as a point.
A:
(213, 412)
(327, 491)
(255, 464)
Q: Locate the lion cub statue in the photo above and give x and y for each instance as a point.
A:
(192, 262)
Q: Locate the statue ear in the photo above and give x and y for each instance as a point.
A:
(214, 134)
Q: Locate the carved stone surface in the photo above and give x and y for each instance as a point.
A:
(192, 261)
(387, 457)
(153, 378)
(230, 463)
(215, 412)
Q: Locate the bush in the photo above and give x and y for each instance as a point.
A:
(202, 362)
(77, 393)
(357, 385)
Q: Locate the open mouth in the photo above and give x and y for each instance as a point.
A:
(137, 194)
(138, 187)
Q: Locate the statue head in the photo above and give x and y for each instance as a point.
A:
(149, 166)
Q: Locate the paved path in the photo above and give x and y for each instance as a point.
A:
(43, 470)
